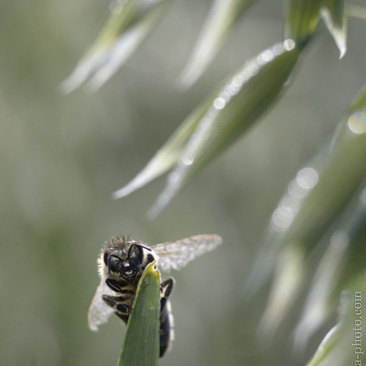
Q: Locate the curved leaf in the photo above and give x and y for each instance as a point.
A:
(235, 107)
(229, 111)
(325, 347)
(168, 155)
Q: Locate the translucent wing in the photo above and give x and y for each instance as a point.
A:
(176, 255)
(99, 311)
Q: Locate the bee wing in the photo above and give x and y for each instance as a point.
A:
(99, 312)
(176, 255)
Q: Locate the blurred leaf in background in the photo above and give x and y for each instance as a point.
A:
(327, 196)
(222, 17)
(220, 119)
(62, 156)
(344, 343)
(129, 23)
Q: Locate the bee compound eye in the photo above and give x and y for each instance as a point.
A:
(114, 263)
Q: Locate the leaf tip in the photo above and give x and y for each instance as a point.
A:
(67, 86)
(153, 270)
(119, 194)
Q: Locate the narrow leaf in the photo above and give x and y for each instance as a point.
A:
(220, 20)
(302, 18)
(315, 200)
(290, 270)
(345, 343)
(141, 343)
(334, 14)
(168, 155)
(128, 25)
(235, 107)
(325, 347)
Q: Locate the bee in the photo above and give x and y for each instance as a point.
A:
(120, 266)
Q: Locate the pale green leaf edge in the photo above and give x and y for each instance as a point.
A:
(334, 14)
(325, 347)
(222, 16)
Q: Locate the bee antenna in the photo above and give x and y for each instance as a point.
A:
(109, 265)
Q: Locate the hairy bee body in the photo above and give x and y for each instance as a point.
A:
(121, 264)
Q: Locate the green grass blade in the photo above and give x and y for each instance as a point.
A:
(302, 18)
(313, 201)
(234, 108)
(168, 155)
(345, 343)
(222, 17)
(325, 347)
(141, 343)
(334, 14)
(127, 26)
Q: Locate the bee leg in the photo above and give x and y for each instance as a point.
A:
(124, 309)
(114, 285)
(166, 331)
(115, 302)
(166, 288)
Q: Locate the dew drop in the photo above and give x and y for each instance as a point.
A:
(289, 44)
(357, 122)
(232, 89)
(277, 49)
(219, 103)
(188, 160)
(238, 81)
(295, 191)
(282, 218)
(265, 56)
(339, 240)
(307, 178)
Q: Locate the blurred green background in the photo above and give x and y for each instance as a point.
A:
(63, 156)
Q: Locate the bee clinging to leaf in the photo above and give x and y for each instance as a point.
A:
(120, 267)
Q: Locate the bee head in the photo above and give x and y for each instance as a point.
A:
(127, 265)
